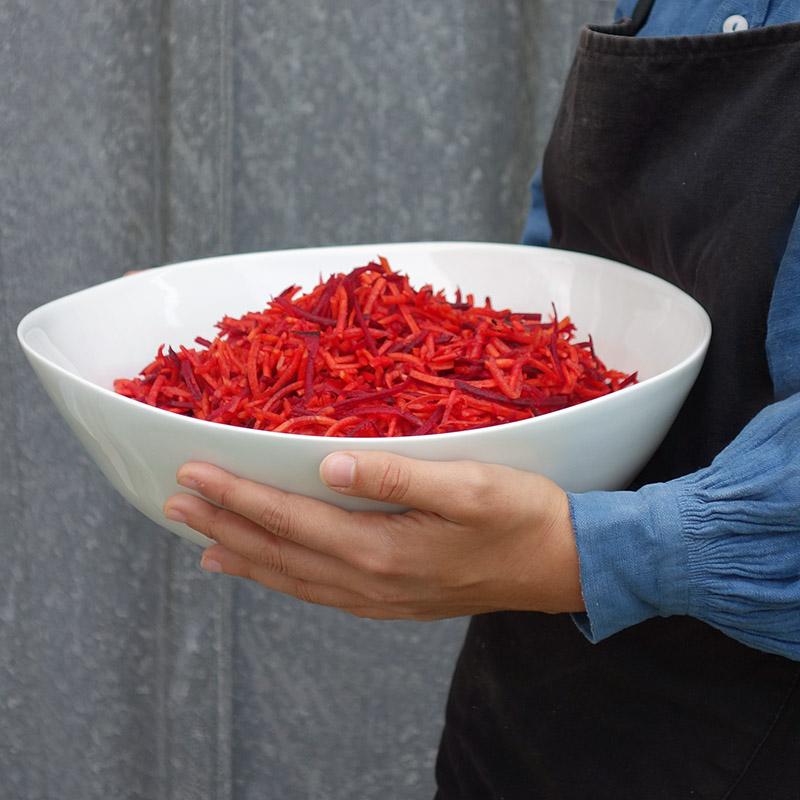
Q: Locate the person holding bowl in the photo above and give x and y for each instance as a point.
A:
(667, 663)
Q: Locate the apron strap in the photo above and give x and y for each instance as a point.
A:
(641, 13)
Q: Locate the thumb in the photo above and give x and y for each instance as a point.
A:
(453, 489)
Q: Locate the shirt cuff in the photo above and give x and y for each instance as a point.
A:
(633, 557)
(721, 545)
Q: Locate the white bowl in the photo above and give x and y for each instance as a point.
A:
(79, 344)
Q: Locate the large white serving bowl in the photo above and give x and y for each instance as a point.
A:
(79, 344)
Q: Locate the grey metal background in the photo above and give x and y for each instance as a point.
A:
(136, 132)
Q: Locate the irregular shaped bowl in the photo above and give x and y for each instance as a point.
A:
(79, 344)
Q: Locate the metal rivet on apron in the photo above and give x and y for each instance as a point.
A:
(735, 22)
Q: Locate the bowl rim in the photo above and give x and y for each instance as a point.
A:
(29, 320)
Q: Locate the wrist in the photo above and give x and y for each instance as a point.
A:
(551, 578)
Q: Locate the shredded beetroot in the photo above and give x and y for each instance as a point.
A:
(365, 354)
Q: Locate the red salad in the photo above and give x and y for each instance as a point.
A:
(366, 354)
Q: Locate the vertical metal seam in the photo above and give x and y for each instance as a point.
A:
(15, 474)
(162, 96)
(225, 655)
(225, 150)
(162, 89)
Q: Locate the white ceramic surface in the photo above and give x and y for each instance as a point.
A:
(79, 344)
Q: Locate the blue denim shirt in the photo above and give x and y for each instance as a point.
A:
(721, 544)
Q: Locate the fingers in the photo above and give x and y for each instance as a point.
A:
(310, 523)
(260, 547)
(220, 559)
(367, 606)
(453, 489)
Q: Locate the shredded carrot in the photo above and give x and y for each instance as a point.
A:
(366, 354)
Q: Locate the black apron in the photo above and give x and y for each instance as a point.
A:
(680, 156)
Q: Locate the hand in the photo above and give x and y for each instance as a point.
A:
(480, 538)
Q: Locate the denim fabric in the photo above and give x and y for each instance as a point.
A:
(723, 544)
(688, 17)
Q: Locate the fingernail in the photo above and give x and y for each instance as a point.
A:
(188, 482)
(209, 565)
(338, 470)
(174, 514)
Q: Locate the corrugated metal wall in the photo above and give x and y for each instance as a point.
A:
(136, 132)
